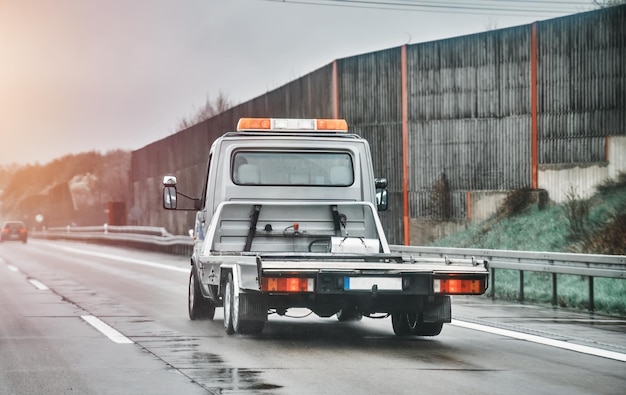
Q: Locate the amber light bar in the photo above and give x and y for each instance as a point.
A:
(287, 284)
(292, 124)
(332, 124)
(459, 286)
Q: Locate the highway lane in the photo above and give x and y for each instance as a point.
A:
(47, 346)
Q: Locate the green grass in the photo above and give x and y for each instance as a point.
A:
(551, 229)
(534, 230)
(572, 291)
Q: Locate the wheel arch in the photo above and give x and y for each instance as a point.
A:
(204, 288)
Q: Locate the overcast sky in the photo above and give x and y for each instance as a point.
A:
(83, 75)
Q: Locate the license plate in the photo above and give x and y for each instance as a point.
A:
(370, 283)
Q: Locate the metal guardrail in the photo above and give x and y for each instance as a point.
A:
(133, 230)
(550, 262)
(140, 237)
(589, 265)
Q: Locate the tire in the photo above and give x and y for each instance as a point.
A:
(228, 305)
(198, 307)
(403, 323)
(427, 329)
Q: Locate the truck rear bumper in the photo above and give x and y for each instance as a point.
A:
(431, 308)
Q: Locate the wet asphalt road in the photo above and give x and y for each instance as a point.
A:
(49, 290)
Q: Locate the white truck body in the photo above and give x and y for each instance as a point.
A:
(288, 218)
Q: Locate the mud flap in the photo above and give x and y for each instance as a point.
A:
(438, 310)
(252, 307)
(251, 303)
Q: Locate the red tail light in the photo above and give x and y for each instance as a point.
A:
(459, 286)
(287, 284)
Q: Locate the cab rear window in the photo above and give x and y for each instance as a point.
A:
(292, 168)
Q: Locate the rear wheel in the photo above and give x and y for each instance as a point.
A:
(228, 306)
(199, 308)
(403, 323)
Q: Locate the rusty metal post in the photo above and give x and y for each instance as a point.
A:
(554, 297)
(592, 305)
(521, 285)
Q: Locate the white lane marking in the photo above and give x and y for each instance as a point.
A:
(13, 268)
(106, 330)
(123, 259)
(38, 284)
(542, 340)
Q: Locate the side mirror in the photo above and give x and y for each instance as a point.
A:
(380, 183)
(169, 192)
(169, 197)
(170, 181)
(382, 199)
(381, 194)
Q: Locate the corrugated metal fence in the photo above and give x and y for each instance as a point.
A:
(582, 89)
(467, 106)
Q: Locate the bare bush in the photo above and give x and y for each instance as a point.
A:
(515, 203)
(576, 210)
(440, 199)
(208, 110)
(609, 240)
(610, 184)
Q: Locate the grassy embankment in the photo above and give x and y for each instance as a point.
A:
(596, 225)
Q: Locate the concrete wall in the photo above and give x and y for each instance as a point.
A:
(484, 204)
(581, 179)
(617, 155)
(424, 231)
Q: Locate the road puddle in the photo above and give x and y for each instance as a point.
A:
(215, 375)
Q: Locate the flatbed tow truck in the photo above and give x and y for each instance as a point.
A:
(288, 218)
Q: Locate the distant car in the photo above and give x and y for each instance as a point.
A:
(14, 230)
